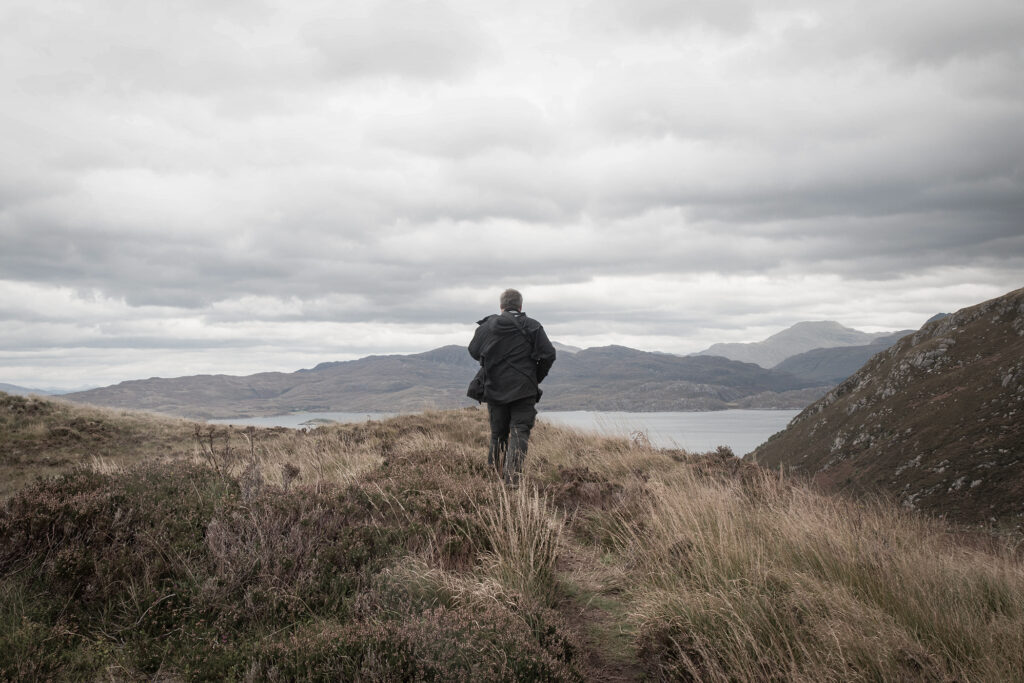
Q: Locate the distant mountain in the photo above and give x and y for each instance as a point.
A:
(16, 390)
(398, 383)
(565, 348)
(801, 337)
(620, 378)
(607, 378)
(22, 391)
(832, 366)
(937, 420)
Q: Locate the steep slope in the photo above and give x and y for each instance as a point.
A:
(833, 365)
(609, 378)
(936, 420)
(799, 338)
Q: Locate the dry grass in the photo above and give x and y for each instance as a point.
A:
(552, 447)
(389, 550)
(768, 580)
(320, 457)
(46, 437)
(525, 534)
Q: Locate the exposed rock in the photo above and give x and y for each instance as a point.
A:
(924, 419)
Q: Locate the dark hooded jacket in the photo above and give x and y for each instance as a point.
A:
(514, 363)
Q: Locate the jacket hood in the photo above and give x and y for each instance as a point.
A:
(502, 321)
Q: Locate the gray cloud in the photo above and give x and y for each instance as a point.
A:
(308, 181)
(918, 33)
(425, 39)
(730, 16)
(467, 127)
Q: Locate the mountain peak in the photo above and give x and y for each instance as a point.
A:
(560, 347)
(824, 333)
(801, 337)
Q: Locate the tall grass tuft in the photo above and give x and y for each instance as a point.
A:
(771, 581)
(525, 534)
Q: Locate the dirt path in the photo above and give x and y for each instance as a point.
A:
(598, 614)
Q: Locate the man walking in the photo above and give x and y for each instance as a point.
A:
(516, 356)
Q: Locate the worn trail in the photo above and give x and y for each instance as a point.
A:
(597, 613)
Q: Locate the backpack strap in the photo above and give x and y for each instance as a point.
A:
(522, 331)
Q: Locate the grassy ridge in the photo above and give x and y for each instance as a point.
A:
(388, 551)
(47, 436)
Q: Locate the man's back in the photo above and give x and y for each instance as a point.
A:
(516, 354)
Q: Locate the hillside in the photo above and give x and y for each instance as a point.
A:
(936, 420)
(832, 365)
(20, 391)
(799, 338)
(398, 383)
(49, 436)
(620, 378)
(388, 551)
(44, 436)
(608, 378)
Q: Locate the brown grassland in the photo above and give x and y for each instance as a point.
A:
(153, 548)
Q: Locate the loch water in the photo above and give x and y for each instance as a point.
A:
(741, 430)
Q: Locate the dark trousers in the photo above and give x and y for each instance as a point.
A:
(510, 434)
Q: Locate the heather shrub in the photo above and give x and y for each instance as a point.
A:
(107, 559)
(389, 551)
(413, 586)
(440, 487)
(89, 536)
(281, 555)
(203, 568)
(484, 642)
(594, 504)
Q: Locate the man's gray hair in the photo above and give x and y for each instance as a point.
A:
(511, 300)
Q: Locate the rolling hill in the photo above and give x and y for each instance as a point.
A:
(620, 378)
(605, 378)
(26, 391)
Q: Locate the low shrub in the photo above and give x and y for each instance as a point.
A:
(469, 643)
(389, 550)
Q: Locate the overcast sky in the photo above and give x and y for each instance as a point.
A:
(226, 186)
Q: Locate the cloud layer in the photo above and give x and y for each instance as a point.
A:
(231, 187)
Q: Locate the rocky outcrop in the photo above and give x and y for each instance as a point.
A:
(937, 420)
(832, 365)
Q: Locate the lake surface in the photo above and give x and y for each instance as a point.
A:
(299, 420)
(741, 430)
